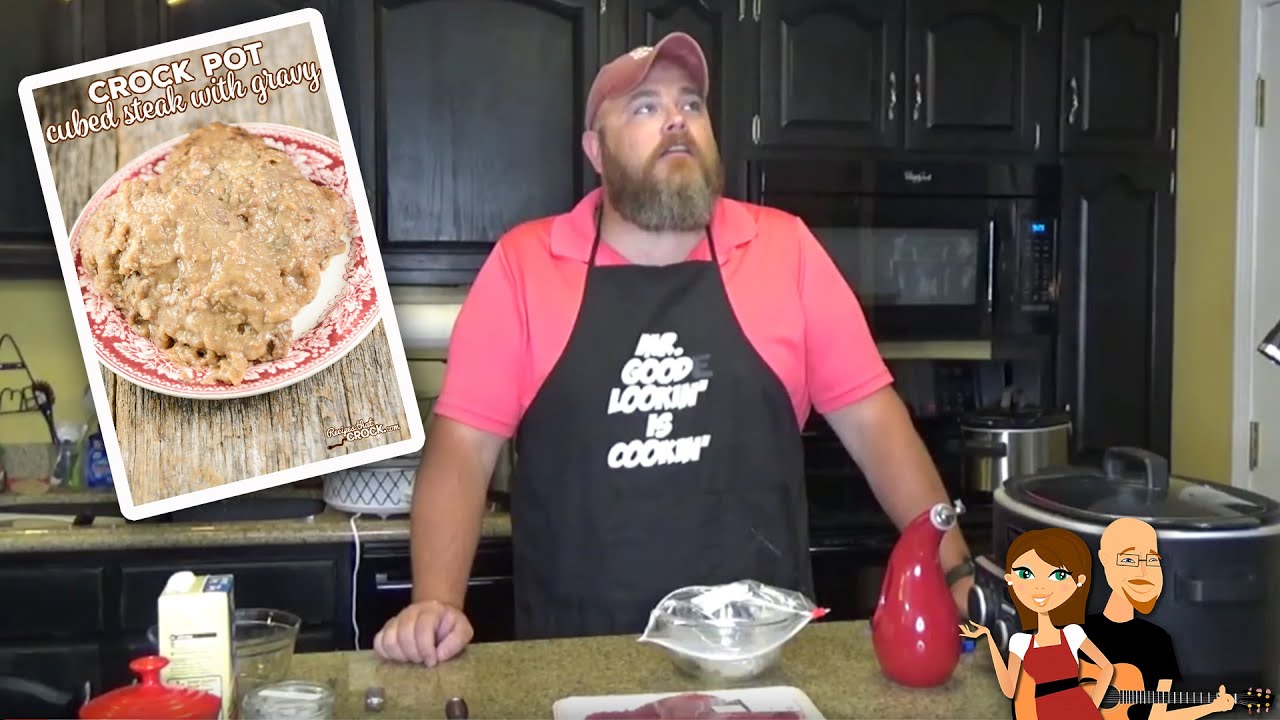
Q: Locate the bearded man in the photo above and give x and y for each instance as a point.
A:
(654, 352)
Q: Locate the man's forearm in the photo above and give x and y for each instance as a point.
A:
(448, 510)
(881, 438)
(908, 485)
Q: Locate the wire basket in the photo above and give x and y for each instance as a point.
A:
(383, 488)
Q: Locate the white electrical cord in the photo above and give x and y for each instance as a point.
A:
(355, 573)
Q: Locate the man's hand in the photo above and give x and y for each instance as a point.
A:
(426, 633)
(1225, 701)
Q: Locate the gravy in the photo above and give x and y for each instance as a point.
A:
(214, 257)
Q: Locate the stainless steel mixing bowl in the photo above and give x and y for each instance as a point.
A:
(722, 650)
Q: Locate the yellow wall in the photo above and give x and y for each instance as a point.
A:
(37, 314)
(1204, 283)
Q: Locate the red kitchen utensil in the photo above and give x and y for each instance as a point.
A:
(152, 700)
(914, 625)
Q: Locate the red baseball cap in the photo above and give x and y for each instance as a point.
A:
(624, 73)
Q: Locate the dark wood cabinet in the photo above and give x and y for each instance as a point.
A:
(64, 666)
(1120, 76)
(1117, 300)
(192, 17)
(830, 73)
(79, 618)
(1119, 97)
(979, 75)
(919, 75)
(36, 36)
(470, 122)
(134, 24)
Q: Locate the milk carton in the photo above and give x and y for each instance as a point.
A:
(196, 622)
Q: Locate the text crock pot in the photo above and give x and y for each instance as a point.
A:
(1219, 547)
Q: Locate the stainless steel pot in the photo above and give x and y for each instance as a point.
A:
(1001, 444)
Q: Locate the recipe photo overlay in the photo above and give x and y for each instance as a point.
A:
(221, 263)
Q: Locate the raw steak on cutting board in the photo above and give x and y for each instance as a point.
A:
(691, 706)
(773, 703)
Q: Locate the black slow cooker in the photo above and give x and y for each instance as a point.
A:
(1219, 546)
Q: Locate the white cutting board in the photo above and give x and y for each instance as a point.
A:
(766, 699)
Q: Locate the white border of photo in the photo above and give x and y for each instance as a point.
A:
(417, 436)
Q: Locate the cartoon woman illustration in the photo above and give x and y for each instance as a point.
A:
(1048, 575)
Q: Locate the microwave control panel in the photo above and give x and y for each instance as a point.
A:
(1039, 264)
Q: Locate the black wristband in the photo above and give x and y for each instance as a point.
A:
(963, 570)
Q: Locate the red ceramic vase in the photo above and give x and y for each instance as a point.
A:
(915, 628)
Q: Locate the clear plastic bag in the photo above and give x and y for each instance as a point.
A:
(736, 621)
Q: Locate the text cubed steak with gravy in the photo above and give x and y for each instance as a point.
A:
(214, 257)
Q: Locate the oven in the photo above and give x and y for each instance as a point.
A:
(934, 251)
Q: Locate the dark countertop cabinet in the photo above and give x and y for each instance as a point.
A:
(79, 618)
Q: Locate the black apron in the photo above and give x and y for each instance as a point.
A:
(661, 451)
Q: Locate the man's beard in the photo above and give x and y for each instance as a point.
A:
(681, 202)
(1143, 606)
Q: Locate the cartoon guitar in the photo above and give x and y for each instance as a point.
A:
(1127, 689)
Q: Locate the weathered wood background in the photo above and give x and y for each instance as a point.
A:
(173, 446)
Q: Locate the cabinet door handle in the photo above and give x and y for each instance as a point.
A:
(382, 581)
(991, 263)
(893, 93)
(487, 581)
(1075, 101)
(915, 111)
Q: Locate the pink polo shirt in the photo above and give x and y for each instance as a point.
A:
(794, 307)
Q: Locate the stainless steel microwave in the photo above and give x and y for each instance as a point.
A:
(934, 251)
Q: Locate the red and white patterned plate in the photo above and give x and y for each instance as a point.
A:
(345, 309)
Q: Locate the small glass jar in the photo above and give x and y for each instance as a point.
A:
(289, 700)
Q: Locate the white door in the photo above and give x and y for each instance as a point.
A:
(1265, 400)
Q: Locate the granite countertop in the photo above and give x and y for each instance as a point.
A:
(833, 663)
(328, 526)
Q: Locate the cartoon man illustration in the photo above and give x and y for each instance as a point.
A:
(1131, 562)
